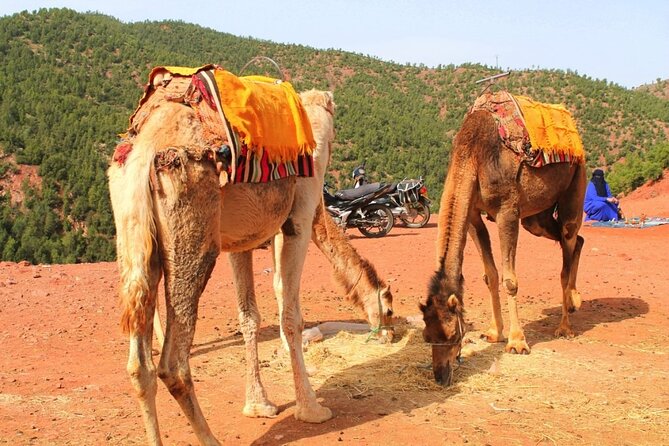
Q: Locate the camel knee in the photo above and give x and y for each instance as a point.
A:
(177, 383)
(491, 278)
(511, 286)
(142, 378)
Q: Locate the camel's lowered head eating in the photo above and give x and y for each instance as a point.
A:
(443, 314)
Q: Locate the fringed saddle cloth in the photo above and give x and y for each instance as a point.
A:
(539, 133)
(255, 124)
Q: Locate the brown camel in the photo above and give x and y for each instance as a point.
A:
(484, 176)
(174, 222)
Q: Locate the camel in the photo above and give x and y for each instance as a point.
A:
(175, 222)
(484, 176)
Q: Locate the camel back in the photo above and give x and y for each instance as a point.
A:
(539, 133)
(254, 126)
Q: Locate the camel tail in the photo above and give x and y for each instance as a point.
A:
(132, 203)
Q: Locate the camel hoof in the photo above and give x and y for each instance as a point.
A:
(564, 332)
(314, 413)
(492, 336)
(517, 348)
(260, 410)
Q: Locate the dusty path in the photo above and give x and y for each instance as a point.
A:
(63, 381)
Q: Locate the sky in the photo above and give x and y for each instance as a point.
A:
(622, 41)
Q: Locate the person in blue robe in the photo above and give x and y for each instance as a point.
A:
(599, 204)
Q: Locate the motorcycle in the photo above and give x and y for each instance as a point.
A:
(407, 200)
(353, 208)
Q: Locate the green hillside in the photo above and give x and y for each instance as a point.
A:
(69, 81)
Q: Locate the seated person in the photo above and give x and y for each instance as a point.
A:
(599, 204)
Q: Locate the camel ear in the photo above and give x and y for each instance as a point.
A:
(453, 302)
(424, 303)
(330, 102)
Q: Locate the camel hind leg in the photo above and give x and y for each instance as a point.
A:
(545, 225)
(140, 367)
(189, 239)
(139, 271)
(183, 289)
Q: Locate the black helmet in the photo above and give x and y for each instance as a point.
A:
(359, 172)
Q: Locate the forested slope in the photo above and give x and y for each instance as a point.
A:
(69, 81)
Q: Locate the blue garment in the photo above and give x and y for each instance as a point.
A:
(596, 207)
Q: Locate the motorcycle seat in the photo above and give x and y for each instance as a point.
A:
(352, 194)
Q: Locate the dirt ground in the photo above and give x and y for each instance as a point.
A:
(63, 380)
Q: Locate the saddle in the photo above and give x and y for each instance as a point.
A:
(539, 133)
(255, 126)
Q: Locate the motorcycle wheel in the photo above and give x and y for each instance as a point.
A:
(379, 221)
(418, 215)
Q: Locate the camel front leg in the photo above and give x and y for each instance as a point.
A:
(290, 248)
(508, 237)
(479, 234)
(257, 404)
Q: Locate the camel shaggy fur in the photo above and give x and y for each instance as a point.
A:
(486, 177)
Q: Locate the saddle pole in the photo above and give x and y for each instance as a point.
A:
(491, 80)
(266, 59)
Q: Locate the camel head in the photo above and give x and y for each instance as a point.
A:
(443, 314)
(379, 308)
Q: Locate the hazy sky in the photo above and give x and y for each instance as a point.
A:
(623, 41)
